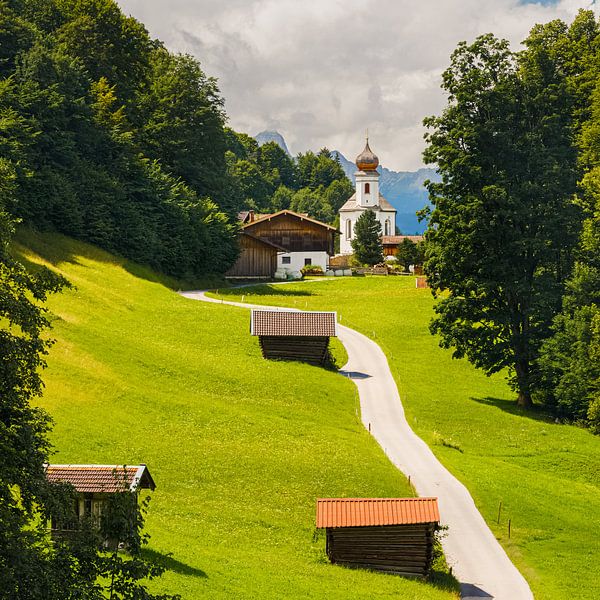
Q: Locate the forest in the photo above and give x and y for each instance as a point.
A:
(110, 138)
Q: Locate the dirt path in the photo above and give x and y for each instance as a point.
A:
(476, 557)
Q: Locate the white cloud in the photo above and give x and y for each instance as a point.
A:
(322, 71)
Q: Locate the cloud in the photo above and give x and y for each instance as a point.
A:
(322, 71)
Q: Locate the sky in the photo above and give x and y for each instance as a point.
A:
(322, 72)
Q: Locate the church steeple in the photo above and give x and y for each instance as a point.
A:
(367, 178)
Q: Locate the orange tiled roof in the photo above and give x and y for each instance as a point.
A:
(101, 478)
(364, 512)
(288, 323)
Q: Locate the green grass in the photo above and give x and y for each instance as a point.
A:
(546, 475)
(240, 447)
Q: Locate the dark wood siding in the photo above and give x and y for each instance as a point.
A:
(257, 260)
(310, 349)
(294, 234)
(403, 549)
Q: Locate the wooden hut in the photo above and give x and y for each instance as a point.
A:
(395, 535)
(94, 484)
(257, 260)
(391, 242)
(288, 335)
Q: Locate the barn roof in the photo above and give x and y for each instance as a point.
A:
(365, 512)
(102, 478)
(302, 217)
(288, 323)
(394, 240)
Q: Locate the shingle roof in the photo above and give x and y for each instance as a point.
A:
(352, 205)
(102, 478)
(301, 216)
(394, 240)
(365, 512)
(288, 323)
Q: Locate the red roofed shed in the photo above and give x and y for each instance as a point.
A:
(95, 483)
(385, 534)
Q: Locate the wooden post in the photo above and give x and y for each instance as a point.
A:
(499, 509)
(509, 529)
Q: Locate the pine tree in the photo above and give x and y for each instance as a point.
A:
(366, 243)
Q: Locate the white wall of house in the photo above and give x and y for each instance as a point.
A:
(294, 261)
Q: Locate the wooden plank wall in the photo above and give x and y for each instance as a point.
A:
(403, 549)
(294, 234)
(256, 260)
(311, 349)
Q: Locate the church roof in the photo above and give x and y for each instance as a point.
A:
(382, 205)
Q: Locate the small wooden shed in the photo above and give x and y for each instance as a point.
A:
(292, 335)
(395, 535)
(95, 483)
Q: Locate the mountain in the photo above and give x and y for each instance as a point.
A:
(272, 136)
(403, 189)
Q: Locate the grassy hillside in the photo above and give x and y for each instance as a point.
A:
(546, 475)
(240, 448)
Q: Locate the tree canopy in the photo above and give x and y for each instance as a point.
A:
(503, 226)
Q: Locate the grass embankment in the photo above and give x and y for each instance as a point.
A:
(239, 447)
(546, 475)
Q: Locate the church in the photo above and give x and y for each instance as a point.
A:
(366, 197)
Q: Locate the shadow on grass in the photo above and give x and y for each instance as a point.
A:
(57, 249)
(443, 580)
(263, 290)
(171, 564)
(537, 413)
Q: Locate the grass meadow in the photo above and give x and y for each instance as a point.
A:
(240, 448)
(546, 475)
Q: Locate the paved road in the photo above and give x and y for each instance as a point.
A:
(477, 559)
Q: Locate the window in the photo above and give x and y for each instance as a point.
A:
(286, 260)
(387, 227)
(307, 261)
(367, 188)
(348, 229)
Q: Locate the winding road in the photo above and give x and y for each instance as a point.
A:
(477, 559)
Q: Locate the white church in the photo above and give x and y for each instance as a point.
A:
(366, 197)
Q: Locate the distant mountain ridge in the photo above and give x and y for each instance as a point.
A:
(272, 136)
(405, 190)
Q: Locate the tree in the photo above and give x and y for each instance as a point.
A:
(570, 360)
(366, 242)
(26, 562)
(408, 254)
(311, 202)
(501, 234)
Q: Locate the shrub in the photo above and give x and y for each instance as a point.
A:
(311, 270)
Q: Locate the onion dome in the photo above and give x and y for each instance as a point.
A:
(366, 160)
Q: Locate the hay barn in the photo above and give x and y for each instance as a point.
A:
(395, 535)
(95, 483)
(288, 335)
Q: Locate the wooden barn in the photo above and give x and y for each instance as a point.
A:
(94, 484)
(391, 242)
(306, 241)
(288, 335)
(395, 535)
(257, 260)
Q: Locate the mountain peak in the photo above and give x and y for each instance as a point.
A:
(272, 136)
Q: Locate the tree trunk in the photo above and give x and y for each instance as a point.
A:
(522, 371)
(524, 399)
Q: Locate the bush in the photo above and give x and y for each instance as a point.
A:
(311, 270)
